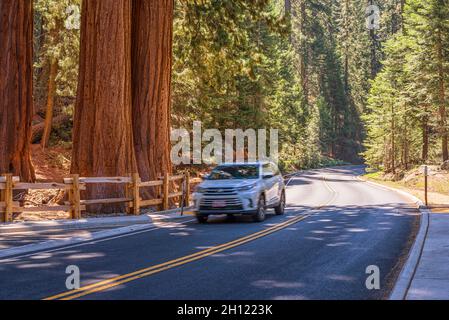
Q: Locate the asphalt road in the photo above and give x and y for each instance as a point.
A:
(335, 227)
(10, 240)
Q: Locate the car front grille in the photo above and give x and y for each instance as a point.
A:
(207, 204)
(220, 192)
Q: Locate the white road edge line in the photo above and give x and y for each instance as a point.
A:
(403, 284)
(293, 176)
(9, 255)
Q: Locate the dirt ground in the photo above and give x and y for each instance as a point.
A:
(413, 183)
(51, 165)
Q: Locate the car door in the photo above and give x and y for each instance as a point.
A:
(278, 183)
(269, 179)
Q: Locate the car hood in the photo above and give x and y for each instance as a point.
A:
(227, 183)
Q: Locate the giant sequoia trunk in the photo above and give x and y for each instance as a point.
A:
(151, 66)
(16, 87)
(102, 137)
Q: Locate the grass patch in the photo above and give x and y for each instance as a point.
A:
(413, 183)
(374, 176)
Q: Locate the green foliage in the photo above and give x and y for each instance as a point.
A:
(237, 70)
(406, 97)
(237, 65)
(57, 43)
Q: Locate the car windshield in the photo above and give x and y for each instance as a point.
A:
(242, 172)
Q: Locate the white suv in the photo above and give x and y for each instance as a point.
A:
(241, 189)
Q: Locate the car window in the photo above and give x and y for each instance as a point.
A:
(235, 172)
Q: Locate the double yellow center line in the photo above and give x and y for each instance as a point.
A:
(119, 280)
(139, 274)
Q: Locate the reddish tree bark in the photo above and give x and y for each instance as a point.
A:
(51, 91)
(152, 69)
(102, 137)
(16, 87)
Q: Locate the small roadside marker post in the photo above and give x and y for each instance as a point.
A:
(426, 176)
(184, 195)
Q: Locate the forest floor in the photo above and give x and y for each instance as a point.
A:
(413, 183)
(51, 165)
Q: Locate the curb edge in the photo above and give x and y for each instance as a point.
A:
(408, 271)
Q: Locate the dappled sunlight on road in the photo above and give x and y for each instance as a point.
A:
(357, 230)
(81, 256)
(180, 234)
(341, 278)
(273, 284)
(290, 298)
(36, 265)
(326, 253)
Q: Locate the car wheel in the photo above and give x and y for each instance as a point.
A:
(231, 217)
(202, 219)
(280, 209)
(261, 213)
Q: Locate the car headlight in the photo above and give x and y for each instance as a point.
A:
(247, 188)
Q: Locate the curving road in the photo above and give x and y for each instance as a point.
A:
(335, 227)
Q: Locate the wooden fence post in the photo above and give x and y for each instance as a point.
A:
(72, 209)
(128, 194)
(136, 193)
(8, 198)
(187, 189)
(166, 192)
(75, 198)
(2, 199)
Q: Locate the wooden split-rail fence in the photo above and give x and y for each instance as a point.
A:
(74, 185)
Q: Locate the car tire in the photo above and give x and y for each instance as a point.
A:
(261, 213)
(202, 219)
(280, 209)
(230, 217)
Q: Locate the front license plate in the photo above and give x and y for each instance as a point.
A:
(219, 204)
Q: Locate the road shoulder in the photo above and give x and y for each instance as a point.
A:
(28, 238)
(407, 277)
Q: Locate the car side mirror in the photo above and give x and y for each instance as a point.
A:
(268, 176)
